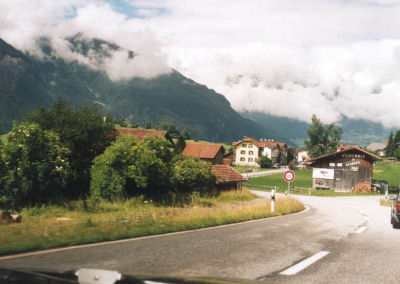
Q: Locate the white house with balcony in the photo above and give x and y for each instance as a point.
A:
(249, 150)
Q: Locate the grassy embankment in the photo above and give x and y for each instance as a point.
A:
(303, 181)
(388, 171)
(242, 169)
(78, 223)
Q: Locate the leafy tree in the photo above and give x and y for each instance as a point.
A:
(171, 128)
(149, 125)
(185, 134)
(180, 144)
(128, 167)
(323, 139)
(35, 167)
(265, 162)
(84, 130)
(190, 174)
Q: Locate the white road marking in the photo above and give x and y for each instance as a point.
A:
(361, 229)
(304, 264)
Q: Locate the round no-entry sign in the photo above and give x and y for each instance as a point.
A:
(288, 176)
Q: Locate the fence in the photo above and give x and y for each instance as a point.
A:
(277, 188)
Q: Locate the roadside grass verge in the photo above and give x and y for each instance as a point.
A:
(387, 202)
(82, 222)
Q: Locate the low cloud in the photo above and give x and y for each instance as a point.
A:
(288, 58)
(90, 19)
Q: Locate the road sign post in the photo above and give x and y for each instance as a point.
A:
(288, 176)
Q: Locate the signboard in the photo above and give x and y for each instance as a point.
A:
(288, 176)
(323, 173)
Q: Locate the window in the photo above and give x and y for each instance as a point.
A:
(242, 159)
(244, 145)
(250, 145)
(331, 164)
(339, 164)
(250, 152)
(242, 152)
(250, 159)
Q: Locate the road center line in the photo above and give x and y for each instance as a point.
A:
(304, 264)
(361, 229)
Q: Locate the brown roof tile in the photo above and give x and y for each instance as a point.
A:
(202, 150)
(225, 173)
(141, 133)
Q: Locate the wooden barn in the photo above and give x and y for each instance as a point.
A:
(348, 169)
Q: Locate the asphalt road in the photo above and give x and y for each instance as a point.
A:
(356, 231)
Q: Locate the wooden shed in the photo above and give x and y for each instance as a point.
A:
(348, 169)
(227, 177)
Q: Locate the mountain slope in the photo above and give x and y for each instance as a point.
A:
(26, 81)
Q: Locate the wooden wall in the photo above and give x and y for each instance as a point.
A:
(350, 169)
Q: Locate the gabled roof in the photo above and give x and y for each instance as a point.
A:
(141, 133)
(346, 147)
(376, 146)
(357, 148)
(225, 173)
(202, 150)
(272, 144)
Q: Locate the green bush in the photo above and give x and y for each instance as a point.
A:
(191, 175)
(35, 167)
(129, 168)
(265, 162)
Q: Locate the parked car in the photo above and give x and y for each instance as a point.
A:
(395, 215)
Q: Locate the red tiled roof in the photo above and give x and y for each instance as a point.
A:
(347, 147)
(225, 173)
(202, 150)
(141, 133)
(272, 144)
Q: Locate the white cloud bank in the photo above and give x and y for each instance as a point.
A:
(290, 58)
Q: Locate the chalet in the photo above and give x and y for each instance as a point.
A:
(212, 153)
(377, 148)
(301, 156)
(141, 133)
(249, 150)
(227, 177)
(343, 170)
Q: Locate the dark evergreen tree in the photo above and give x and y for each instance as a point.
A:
(180, 144)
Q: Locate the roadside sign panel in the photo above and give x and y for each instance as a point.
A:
(323, 173)
(289, 176)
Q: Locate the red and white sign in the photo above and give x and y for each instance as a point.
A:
(288, 176)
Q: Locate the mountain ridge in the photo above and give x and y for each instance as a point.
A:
(170, 97)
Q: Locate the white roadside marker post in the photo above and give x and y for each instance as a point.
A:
(273, 200)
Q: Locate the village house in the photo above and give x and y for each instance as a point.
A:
(249, 150)
(301, 156)
(347, 169)
(211, 153)
(377, 148)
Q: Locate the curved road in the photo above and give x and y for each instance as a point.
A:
(354, 233)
